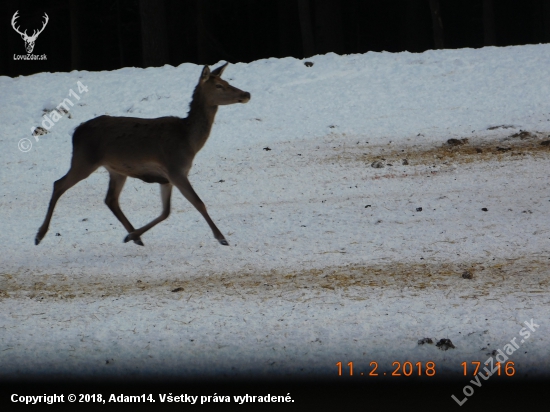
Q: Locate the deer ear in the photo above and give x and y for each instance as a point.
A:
(205, 74)
(218, 72)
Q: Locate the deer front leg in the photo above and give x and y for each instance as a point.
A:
(116, 183)
(165, 194)
(182, 183)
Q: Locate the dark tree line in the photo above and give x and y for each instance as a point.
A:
(109, 34)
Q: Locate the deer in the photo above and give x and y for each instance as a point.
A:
(29, 40)
(159, 150)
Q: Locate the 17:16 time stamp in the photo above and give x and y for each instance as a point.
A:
(422, 369)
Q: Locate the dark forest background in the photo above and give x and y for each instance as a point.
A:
(109, 34)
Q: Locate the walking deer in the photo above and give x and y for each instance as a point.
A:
(154, 150)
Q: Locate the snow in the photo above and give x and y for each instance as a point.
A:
(329, 258)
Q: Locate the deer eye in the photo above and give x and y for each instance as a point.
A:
(219, 86)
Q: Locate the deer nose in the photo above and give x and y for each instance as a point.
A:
(245, 97)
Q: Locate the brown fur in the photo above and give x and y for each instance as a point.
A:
(157, 150)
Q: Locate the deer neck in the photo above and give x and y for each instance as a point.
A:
(200, 119)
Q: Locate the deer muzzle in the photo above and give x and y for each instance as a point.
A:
(244, 98)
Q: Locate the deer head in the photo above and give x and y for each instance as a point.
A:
(216, 91)
(29, 40)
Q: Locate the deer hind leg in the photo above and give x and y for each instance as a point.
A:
(187, 191)
(73, 176)
(116, 183)
(165, 194)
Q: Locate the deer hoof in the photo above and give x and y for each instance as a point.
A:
(131, 236)
(37, 240)
(223, 242)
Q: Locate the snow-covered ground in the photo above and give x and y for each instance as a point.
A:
(331, 259)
